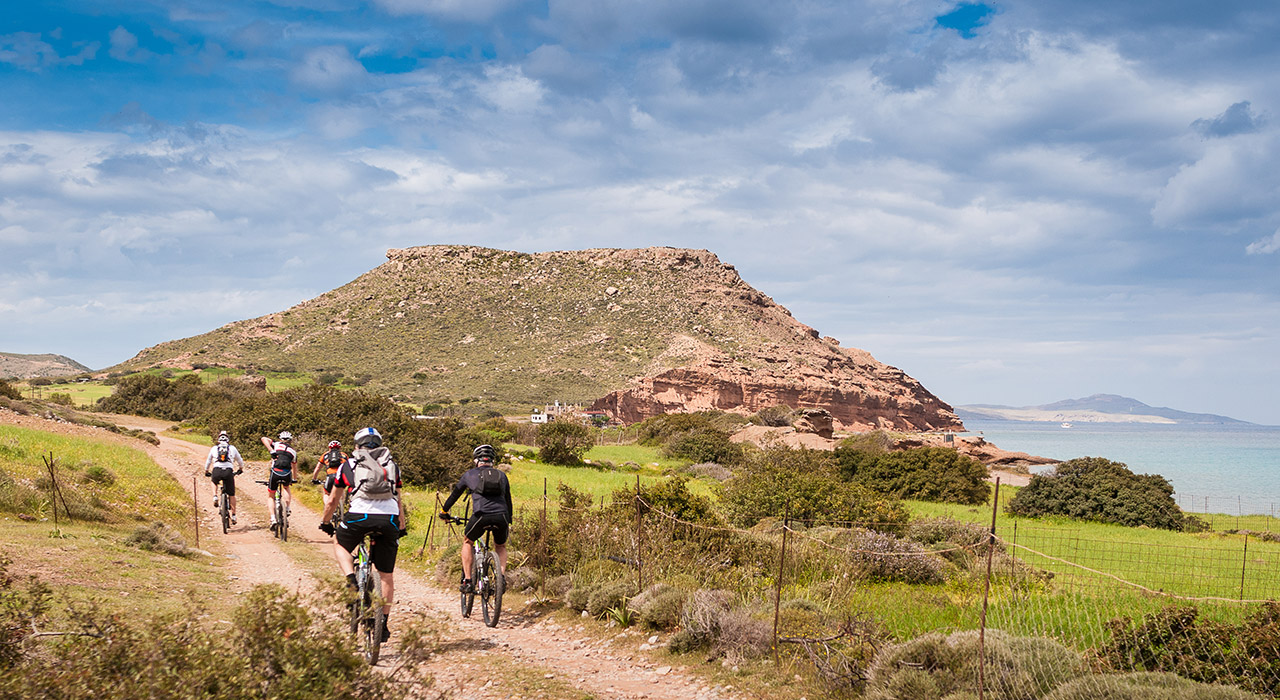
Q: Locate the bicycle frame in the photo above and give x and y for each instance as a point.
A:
(368, 617)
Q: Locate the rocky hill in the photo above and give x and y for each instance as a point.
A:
(1098, 408)
(28, 366)
(631, 332)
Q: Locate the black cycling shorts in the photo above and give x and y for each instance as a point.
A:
(227, 476)
(494, 522)
(386, 537)
(328, 482)
(278, 480)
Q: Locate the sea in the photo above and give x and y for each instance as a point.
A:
(1230, 468)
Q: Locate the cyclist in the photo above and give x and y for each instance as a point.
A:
(284, 469)
(375, 509)
(331, 463)
(491, 508)
(223, 457)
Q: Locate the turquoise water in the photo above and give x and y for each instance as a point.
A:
(1224, 469)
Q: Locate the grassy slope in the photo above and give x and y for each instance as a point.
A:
(91, 559)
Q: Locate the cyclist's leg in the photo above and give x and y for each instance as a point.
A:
(388, 580)
(288, 495)
(345, 540)
(229, 487)
(500, 534)
(468, 554)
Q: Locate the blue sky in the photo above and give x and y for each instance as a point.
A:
(1014, 202)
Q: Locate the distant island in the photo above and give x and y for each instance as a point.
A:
(1099, 408)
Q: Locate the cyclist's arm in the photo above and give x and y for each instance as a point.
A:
(237, 459)
(458, 488)
(320, 464)
(266, 442)
(208, 461)
(331, 503)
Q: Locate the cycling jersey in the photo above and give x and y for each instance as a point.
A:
(359, 503)
(278, 452)
(233, 458)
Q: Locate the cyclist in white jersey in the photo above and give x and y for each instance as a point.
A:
(223, 464)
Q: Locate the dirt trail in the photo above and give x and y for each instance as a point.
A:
(554, 654)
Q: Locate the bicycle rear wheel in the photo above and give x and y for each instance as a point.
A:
(491, 589)
(282, 517)
(369, 619)
(224, 510)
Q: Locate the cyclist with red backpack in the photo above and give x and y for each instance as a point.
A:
(225, 461)
(375, 511)
(284, 469)
(491, 508)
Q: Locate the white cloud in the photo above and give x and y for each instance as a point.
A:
(458, 10)
(1265, 246)
(329, 69)
(124, 47)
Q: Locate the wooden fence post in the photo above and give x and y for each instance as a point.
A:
(986, 591)
(777, 590)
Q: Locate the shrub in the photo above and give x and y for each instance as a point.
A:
(563, 442)
(498, 430)
(328, 378)
(39, 381)
(704, 445)
(609, 595)
(780, 416)
(809, 485)
(158, 537)
(61, 399)
(99, 474)
(1093, 488)
(708, 470)
(8, 391)
(1176, 640)
(924, 474)
(659, 606)
(1016, 668)
(1143, 686)
(884, 557)
(700, 619)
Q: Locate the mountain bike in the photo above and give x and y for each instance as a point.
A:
(339, 510)
(487, 580)
(224, 504)
(282, 514)
(367, 618)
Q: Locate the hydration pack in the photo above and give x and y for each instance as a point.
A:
(375, 474)
(224, 453)
(489, 481)
(333, 460)
(282, 461)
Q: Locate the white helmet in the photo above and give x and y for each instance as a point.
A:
(222, 437)
(368, 437)
(286, 436)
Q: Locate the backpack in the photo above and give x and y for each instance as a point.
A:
(489, 482)
(375, 474)
(282, 461)
(224, 453)
(333, 460)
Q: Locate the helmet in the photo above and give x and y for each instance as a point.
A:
(286, 436)
(222, 437)
(334, 444)
(484, 452)
(368, 437)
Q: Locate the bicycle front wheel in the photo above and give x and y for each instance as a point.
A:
(224, 510)
(469, 597)
(282, 517)
(491, 589)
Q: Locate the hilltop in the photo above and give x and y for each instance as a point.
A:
(1098, 408)
(632, 332)
(29, 366)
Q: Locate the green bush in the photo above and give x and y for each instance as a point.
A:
(1093, 488)
(8, 391)
(1144, 686)
(704, 445)
(922, 474)
(808, 484)
(609, 595)
(180, 399)
(1016, 668)
(564, 442)
(780, 416)
(1176, 640)
(659, 606)
(61, 399)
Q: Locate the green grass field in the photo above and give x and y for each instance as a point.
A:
(89, 558)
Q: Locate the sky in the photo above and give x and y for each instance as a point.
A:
(1014, 202)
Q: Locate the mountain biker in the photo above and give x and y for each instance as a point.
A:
(223, 457)
(284, 469)
(331, 463)
(491, 508)
(375, 509)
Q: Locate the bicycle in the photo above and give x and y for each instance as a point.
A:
(487, 580)
(367, 617)
(340, 510)
(224, 504)
(282, 514)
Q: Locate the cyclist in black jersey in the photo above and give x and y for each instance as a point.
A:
(491, 507)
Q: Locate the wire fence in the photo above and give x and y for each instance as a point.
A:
(1037, 607)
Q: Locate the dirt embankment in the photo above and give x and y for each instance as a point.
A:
(529, 653)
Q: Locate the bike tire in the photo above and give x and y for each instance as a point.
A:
(224, 511)
(491, 590)
(282, 517)
(374, 622)
(369, 619)
(469, 597)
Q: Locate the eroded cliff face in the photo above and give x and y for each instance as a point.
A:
(859, 392)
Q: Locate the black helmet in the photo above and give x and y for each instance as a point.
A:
(484, 452)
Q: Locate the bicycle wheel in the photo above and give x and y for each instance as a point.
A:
(282, 517)
(469, 597)
(224, 510)
(492, 589)
(370, 618)
(374, 623)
